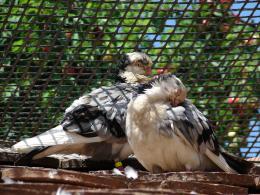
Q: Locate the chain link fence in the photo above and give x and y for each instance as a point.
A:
(51, 52)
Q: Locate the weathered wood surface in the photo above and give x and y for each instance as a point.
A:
(51, 180)
(32, 189)
(61, 176)
(96, 177)
(207, 177)
(197, 187)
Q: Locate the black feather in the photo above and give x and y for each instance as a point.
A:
(81, 113)
(119, 79)
(123, 62)
(27, 159)
(208, 134)
(116, 129)
(240, 165)
(142, 87)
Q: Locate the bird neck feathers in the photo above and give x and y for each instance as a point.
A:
(145, 102)
(131, 77)
(156, 94)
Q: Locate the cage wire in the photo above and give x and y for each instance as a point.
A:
(51, 52)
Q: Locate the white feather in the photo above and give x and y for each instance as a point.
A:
(219, 161)
(81, 101)
(151, 148)
(131, 173)
(54, 136)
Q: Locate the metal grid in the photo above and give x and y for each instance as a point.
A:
(51, 52)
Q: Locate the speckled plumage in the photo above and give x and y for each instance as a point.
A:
(180, 138)
(94, 124)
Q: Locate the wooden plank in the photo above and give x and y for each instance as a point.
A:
(44, 175)
(207, 177)
(47, 188)
(197, 187)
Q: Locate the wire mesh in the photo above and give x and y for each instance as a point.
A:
(51, 52)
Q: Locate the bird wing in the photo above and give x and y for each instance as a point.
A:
(187, 122)
(193, 125)
(96, 117)
(101, 113)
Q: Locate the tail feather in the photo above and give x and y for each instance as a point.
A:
(27, 159)
(220, 161)
(240, 165)
(53, 137)
(98, 151)
(78, 148)
(231, 163)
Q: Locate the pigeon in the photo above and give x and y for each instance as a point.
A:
(93, 125)
(168, 133)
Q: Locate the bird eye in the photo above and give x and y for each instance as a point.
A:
(139, 64)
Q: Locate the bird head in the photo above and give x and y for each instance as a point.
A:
(136, 62)
(166, 87)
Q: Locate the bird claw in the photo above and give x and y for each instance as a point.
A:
(128, 172)
(116, 171)
(131, 173)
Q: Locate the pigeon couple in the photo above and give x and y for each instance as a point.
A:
(150, 118)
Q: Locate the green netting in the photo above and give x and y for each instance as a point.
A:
(51, 52)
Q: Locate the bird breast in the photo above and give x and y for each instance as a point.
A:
(154, 148)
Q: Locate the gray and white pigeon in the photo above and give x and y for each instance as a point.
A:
(168, 133)
(94, 124)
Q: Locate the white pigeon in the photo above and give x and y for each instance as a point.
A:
(167, 135)
(94, 124)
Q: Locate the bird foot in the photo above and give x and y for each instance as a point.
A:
(128, 172)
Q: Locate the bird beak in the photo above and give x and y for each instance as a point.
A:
(175, 102)
(148, 70)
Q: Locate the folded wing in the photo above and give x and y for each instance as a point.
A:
(98, 117)
(193, 128)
